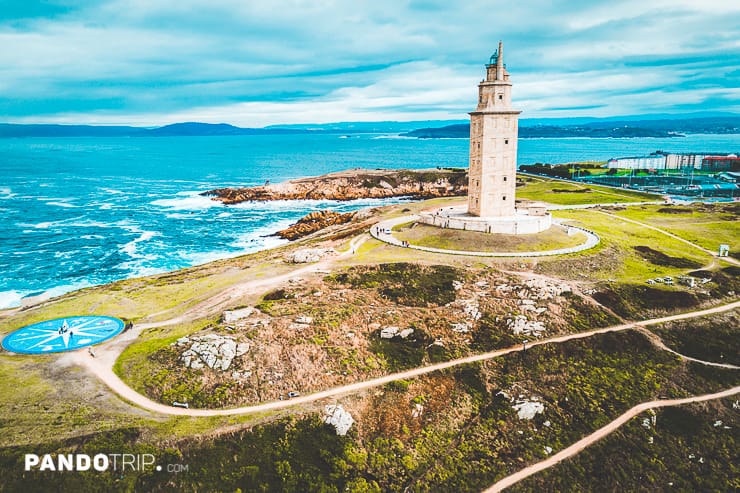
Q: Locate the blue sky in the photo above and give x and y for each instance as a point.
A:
(255, 63)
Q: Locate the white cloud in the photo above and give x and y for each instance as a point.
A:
(254, 63)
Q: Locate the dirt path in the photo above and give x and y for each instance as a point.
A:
(667, 233)
(601, 433)
(224, 298)
(102, 366)
(106, 354)
(658, 342)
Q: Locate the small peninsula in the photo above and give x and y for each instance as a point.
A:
(355, 184)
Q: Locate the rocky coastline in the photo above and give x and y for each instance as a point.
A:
(315, 221)
(355, 184)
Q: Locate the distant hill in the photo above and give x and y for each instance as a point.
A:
(188, 129)
(194, 128)
(597, 129)
(368, 127)
(463, 131)
(540, 127)
(44, 130)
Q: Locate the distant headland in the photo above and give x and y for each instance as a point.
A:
(627, 126)
(662, 128)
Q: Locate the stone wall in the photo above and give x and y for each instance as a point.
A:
(515, 225)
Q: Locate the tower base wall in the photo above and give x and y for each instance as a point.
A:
(522, 223)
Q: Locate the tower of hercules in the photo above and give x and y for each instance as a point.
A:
(494, 127)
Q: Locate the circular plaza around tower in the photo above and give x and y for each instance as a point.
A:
(62, 334)
(388, 232)
(524, 221)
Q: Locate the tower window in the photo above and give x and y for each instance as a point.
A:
(506, 141)
(505, 178)
(500, 96)
(504, 197)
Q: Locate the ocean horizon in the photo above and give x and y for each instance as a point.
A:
(79, 212)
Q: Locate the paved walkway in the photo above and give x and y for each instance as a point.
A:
(378, 232)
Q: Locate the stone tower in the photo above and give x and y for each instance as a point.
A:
(494, 127)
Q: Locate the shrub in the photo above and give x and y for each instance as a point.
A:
(405, 283)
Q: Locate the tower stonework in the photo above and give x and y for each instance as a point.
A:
(494, 128)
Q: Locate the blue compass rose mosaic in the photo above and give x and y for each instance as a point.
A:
(62, 334)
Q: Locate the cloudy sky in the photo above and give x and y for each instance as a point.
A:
(255, 63)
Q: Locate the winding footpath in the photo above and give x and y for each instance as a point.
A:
(660, 344)
(102, 367)
(601, 433)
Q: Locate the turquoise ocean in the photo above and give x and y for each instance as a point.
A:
(77, 212)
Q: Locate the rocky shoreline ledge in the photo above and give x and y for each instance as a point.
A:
(315, 221)
(355, 184)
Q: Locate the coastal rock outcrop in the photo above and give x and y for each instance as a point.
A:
(355, 184)
(315, 221)
(520, 325)
(211, 350)
(309, 255)
(340, 419)
(232, 316)
(525, 407)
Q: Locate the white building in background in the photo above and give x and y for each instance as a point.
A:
(653, 161)
(661, 160)
(678, 161)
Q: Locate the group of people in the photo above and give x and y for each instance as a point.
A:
(64, 328)
(378, 230)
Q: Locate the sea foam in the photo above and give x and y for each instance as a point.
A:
(188, 201)
(10, 299)
(131, 247)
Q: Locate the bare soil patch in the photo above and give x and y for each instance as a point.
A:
(636, 301)
(660, 258)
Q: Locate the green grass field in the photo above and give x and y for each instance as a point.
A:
(156, 297)
(541, 189)
(452, 239)
(705, 225)
(615, 257)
